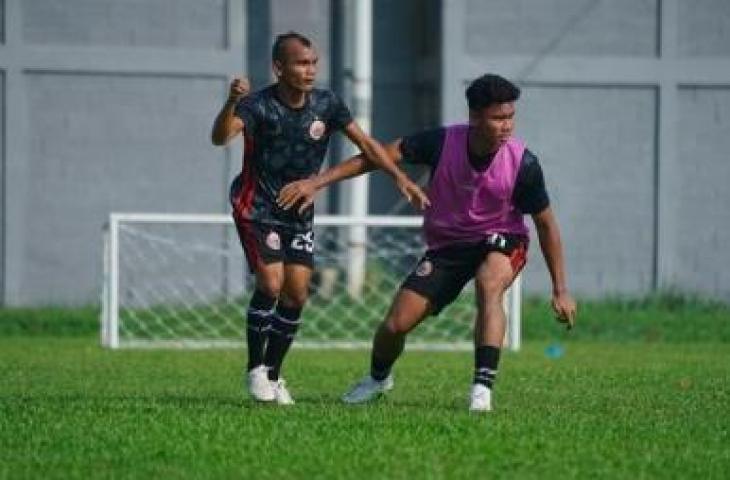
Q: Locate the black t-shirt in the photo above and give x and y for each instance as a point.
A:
(282, 144)
(529, 195)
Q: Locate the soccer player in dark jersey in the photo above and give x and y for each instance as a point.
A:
(483, 181)
(286, 128)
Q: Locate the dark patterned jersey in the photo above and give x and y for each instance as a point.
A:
(282, 144)
(529, 195)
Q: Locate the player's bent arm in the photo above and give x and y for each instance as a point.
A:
(304, 190)
(376, 154)
(373, 151)
(548, 234)
(226, 124)
(355, 166)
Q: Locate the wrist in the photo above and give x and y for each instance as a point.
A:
(318, 183)
(399, 176)
(557, 291)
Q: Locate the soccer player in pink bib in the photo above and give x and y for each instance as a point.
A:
(483, 182)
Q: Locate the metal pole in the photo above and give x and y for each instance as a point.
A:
(362, 98)
(113, 329)
(105, 291)
(514, 325)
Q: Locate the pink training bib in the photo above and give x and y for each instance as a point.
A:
(466, 204)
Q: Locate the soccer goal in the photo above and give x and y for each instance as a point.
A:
(181, 280)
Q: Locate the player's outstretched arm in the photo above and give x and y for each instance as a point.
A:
(376, 154)
(302, 192)
(548, 233)
(226, 124)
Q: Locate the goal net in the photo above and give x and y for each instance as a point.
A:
(176, 280)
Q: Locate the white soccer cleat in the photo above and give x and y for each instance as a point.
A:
(281, 394)
(259, 385)
(480, 398)
(368, 389)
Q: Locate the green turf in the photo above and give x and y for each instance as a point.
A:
(69, 409)
(659, 318)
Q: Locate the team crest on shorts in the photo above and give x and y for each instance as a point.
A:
(424, 268)
(316, 129)
(273, 241)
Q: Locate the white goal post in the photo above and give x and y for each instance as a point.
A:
(181, 280)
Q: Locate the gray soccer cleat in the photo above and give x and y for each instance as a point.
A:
(368, 389)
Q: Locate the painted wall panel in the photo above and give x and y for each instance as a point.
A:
(101, 143)
(704, 176)
(199, 24)
(704, 28)
(561, 27)
(597, 149)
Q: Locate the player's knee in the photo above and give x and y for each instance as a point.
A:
(395, 325)
(490, 288)
(271, 287)
(294, 299)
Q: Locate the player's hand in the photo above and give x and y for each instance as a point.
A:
(413, 193)
(300, 191)
(565, 309)
(238, 89)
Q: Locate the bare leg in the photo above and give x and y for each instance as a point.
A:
(407, 310)
(295, 291)
(270, 279)
(492, 280)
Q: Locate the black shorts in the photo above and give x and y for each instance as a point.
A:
(265, 244)
(441, 274)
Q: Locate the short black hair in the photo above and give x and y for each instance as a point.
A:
(489, 89)
(277, 51)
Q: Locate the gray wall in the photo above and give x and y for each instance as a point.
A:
(600, 172)
(627, 104)
(406, 36)
(108, 105)
(703, 215)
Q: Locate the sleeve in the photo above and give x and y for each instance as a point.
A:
(246, 110)
(340, 115)
(530, 194)
(423, 147)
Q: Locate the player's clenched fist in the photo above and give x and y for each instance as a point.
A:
(239, 88)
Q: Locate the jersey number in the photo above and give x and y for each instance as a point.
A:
(303, 241)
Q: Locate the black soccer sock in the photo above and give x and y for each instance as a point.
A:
(257, 323)
(486, 361)
(284, 325)
(379, 368)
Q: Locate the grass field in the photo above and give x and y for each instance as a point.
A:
(620, 403)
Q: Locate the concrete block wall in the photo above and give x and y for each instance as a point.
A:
(110, 107)
(107, 107)
(626, 103)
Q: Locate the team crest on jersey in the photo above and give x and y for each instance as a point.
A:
(316, 129)
(424, 268)
(273, 241)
